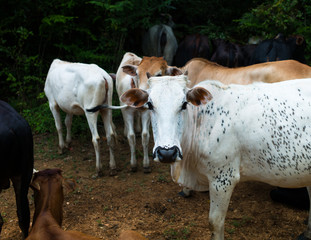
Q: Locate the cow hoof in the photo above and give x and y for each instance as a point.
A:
(134, 169)
(100, 173)
(147, 169)
(185, 195)
(302, 237)
(113, 172)
(61, 151)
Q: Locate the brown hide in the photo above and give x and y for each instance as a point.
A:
(269, 72)
(153, 65)
(149, 66)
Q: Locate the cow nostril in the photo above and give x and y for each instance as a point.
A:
(167, 155)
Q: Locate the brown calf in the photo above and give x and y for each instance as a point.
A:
(132, 73)
(48, 196)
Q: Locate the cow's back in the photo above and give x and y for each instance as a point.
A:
(279, 48)
(76, 86)
(160, 41)
(269, 72)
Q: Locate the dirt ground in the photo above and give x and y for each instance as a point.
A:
(147, 203)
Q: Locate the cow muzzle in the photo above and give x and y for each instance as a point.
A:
(167, 155)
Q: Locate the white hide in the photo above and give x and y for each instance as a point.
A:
(132, 116)
(75, 87)
(259, 132)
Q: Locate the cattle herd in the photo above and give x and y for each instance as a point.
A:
(224, 113)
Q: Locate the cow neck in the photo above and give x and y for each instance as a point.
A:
(50, 201)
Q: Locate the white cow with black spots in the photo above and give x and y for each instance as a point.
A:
(216, 135)
(73, 87)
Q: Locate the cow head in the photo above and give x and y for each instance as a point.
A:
(48, 191)
(167, 99)
(151, 66)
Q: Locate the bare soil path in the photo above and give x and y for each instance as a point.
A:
(147, 203)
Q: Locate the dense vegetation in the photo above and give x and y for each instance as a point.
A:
(33, 33)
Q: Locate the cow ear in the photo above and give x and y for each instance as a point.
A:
(148, 75)
(35, 186)
(134, 97)
(198, 96)
(130, 70)
(173, 71)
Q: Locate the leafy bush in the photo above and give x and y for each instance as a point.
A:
(40, 118)
(100, 31)
(279, 16)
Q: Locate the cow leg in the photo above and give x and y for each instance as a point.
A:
(58, 124)
(92, 121)
(23, 213)
(185, 192)
(128, 117)
(111, 138)
(68, 123)
(219, 201)
(307, 234)
(145, 116)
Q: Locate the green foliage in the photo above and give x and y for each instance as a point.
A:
(100, 31)
(273, 17)
(279, 16)
(40, 118)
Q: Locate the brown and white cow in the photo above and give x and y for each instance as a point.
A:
(200, 69)
(132, 73)
(73, 87)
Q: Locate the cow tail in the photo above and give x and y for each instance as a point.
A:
(97, 108)
(162, 39)
(105, 106)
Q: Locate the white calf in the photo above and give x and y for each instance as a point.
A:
(216, 135)
(73, 87)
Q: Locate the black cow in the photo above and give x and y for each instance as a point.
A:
(280, 48)
(160, 41)
(227, 54)
(193, 46)
(16, 161)
(248, 51)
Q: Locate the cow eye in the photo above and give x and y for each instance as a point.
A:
(184, 106)
(150, 106)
